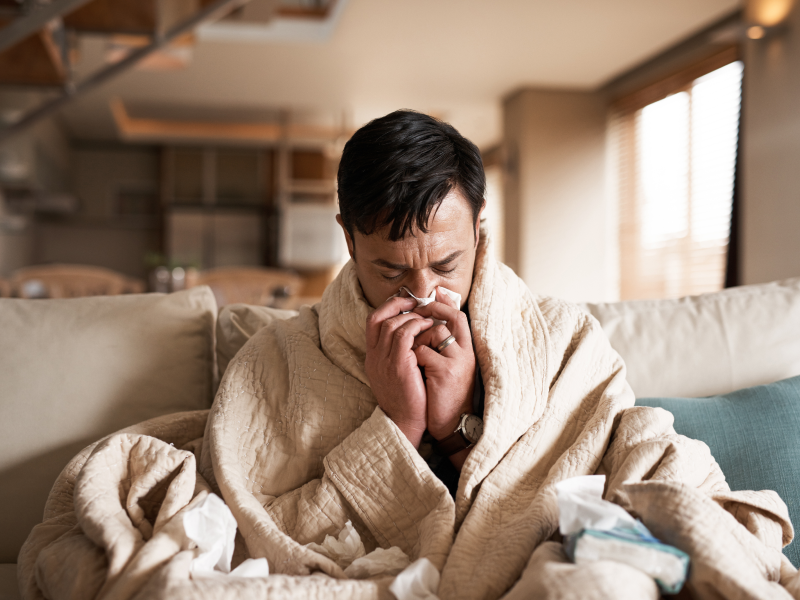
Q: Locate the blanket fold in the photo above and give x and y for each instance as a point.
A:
(296, 446)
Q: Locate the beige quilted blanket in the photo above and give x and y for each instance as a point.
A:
(296, 446)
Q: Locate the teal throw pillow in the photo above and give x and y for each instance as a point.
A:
(754, 434)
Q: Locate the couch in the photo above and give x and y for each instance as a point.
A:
(75, 370)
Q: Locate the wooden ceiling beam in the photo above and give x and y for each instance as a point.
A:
(34, 61)
(137, 17)
(136, 129)
(23, 27)
(114, 16)
(215, 10)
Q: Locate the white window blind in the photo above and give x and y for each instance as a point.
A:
(675, 162)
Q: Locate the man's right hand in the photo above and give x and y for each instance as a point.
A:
(392, 368)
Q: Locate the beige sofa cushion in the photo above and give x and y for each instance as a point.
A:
(237, 323)
(709, 344)
(686, 347)
(75, 370)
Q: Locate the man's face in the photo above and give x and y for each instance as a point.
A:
(445, 256)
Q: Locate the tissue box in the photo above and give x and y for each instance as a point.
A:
(635, 547)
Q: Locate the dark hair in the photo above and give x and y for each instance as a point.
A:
(397, 169)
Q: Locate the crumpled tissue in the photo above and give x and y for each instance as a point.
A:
(252, 567)
(378, 562)
(344, 550)
(455, 296)
(348, 552)
(419, 581)
(212, 527)
(595, 529)
(581, 506)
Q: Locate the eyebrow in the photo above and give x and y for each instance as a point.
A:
(390, 265)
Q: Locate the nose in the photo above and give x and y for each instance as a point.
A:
(422, 283)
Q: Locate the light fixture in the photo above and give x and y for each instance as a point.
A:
(766, 17)
(767, 13)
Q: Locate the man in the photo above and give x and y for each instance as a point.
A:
(319, 421)
(418, 233)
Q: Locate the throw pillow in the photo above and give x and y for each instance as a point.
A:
(75, 370)
(754, 434)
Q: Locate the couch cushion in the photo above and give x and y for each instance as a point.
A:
(708, 344)
(237, 323)
(755, 436)
(75, 370)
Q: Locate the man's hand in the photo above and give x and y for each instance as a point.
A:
(449, 376)
(392, 367)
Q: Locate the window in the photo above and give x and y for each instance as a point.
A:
(675, 164)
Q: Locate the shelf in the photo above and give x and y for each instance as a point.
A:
(210, 194)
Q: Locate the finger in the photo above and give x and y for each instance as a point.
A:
(427, 356)
(391, 308)
(423, 339)
(403, 338)
(445, 298)
(442, 333)
(432, 337)
(388, 329)
(437, 310)
(456, 320)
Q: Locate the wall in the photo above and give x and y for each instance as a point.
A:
(102, 171)
(99, 234)
(119, 246)
(38, 160)
(559, 235)
(770, 207)
(559, 228)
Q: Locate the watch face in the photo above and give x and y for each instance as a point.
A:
(473, 428)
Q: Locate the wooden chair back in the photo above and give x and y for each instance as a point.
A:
(71, 281)
(249, 285)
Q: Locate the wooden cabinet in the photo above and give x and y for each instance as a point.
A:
(222, 205)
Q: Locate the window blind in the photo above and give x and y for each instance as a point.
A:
(675, 159)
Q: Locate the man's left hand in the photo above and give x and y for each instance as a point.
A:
(449, 375)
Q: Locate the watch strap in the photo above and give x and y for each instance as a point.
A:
(453, 443)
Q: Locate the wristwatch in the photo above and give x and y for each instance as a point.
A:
(466, 435)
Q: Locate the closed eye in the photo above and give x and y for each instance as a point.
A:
(391, 277)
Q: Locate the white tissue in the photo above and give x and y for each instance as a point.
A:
(378, 562)
(349, 553)
(581, 506)
(420, 301)
(252, 567)
(455, 296)
(212, 527)
(344, 550)
(419, 581)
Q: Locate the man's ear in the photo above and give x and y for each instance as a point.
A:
(350, 246)
(477, 224)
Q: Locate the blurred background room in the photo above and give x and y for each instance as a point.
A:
(632, 149)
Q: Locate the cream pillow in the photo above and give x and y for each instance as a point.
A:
(708, 344)
(237, 323)
(687, 347)
(72, 371)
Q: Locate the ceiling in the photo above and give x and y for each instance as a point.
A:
(453, 58)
